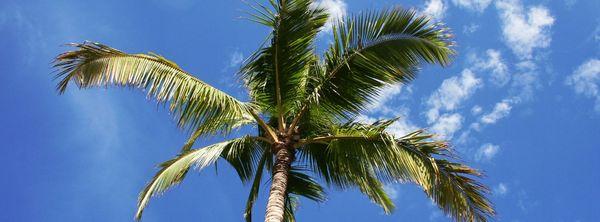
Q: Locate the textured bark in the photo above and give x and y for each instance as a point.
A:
(281, 170)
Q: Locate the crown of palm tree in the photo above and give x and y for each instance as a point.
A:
(305, 103)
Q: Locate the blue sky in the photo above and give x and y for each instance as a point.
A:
(521, 102)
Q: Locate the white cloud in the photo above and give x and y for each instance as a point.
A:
(435, 215)
(470, 29)
(476, 110)
(400, 128)
(525, 81)
(387, 95)
(570, 3)
(524, 202)
(447, 124)
(524, 29)
(585, 80)
(596, 33)
(3, 18)
(475, 5)
(486, 152)
(236, 59)
(452, 93)
(177, 4)
(13, 17)
(501, 189)
(336, 10)
(501, 110)
(381, 109)
(96, 114)
(435, 8)
(391, 190)
(494, 63)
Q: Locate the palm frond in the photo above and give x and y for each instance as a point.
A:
(289, 212)
(364, 156)
(346, 172)
(196, 104)
(455, 190)
(190, 142)
(373, 49)
(301, 184)
(459, 195)
(256, 185)
(245, 156)
(276, 74)
(371, 148)
(356, 154)
(173, 171)
(262, 14)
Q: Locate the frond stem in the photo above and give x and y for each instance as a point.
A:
(272, 136)
(330, 138)
(280, 118)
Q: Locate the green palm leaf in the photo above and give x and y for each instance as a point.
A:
(455, 190)
(371, 50)
(172, 172)
(197, 104)
(255, 186)
(289, 213)
(365, 156)
(277, 73)
(300, 185)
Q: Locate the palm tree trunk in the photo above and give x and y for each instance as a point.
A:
(281, 170)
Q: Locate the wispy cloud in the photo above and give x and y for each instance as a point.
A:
(401, 127)
(486, 152)
(391, 190)
(470, 28)
(97, 135)
(177, 4)
(446, 125)
(236, 59)
(336, 9)
(452, 93)
(476, 110)
(474, 5)
(500, 190)
(501, 110)
(596, 34)
(525, 81)
(570, 3)
(524, 29)
(586, 80)
(96, 114)
(435, 8)
(524, 202)
(435, 215)
(14, 18)
(389, 94)
(383, 108)
(493, 62)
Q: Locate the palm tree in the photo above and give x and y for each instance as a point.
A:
(304, 107)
